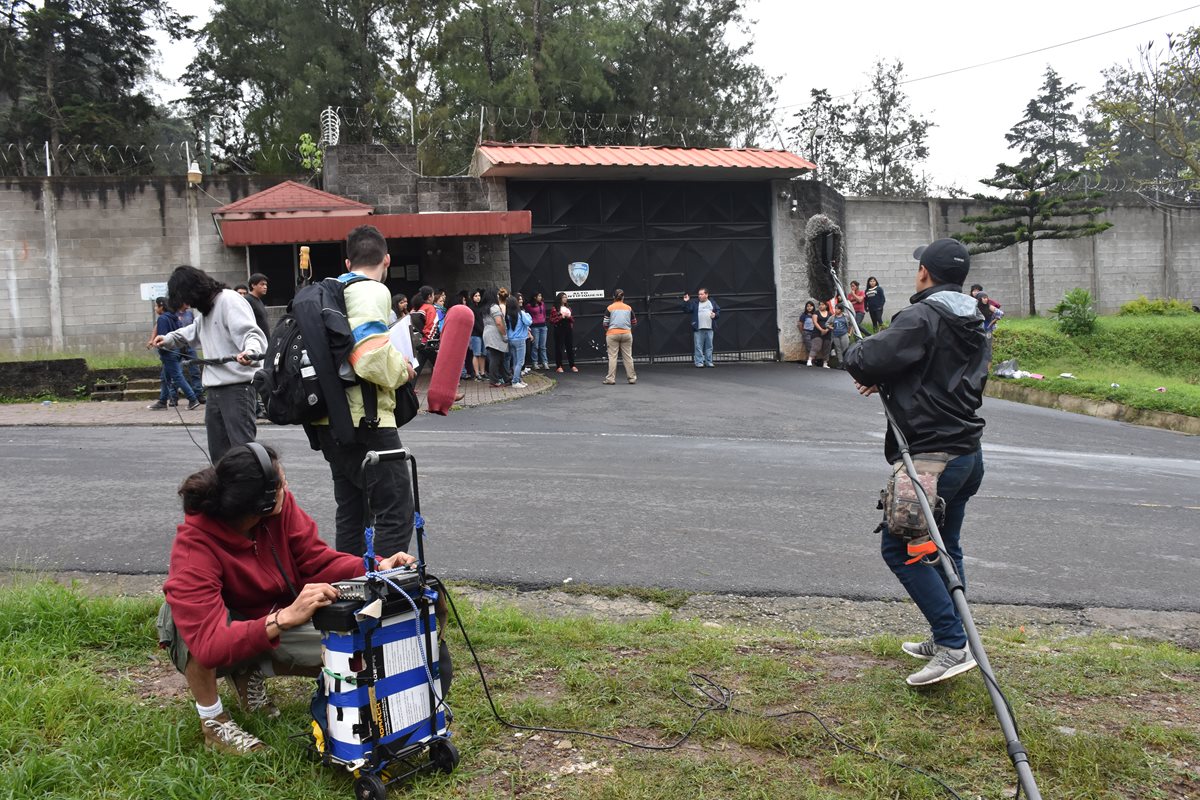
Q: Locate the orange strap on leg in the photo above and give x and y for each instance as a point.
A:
(919, 548)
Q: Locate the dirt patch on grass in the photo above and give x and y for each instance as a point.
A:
(155, 680)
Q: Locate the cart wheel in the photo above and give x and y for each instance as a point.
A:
(443, 755)
(369, 787)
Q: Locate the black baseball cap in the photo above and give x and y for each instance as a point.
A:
(946, 259)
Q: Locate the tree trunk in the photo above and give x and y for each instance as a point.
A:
(537, 67)
(1029, 271)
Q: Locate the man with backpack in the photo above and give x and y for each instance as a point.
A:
(380, 369)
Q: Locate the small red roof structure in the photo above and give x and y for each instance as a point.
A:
(292, 213)
(291, 199)
(497, 159)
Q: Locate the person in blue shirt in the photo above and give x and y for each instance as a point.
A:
(517, 322)
(704, 311)
(172, 369)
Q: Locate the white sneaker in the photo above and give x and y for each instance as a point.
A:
(520, 385)
(945, 663)
(809, 364)
(526, 371)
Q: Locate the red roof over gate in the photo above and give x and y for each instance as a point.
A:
(496, 159)
(291, 197)
(294, 230)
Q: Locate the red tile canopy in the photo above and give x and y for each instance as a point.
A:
(293, 230)
(496, 159)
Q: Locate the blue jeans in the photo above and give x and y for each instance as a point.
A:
(702, 346)
(926, 584)
(517, 351)
(172, 379)
(539, 355)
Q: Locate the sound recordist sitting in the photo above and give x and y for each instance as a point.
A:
(247, 573)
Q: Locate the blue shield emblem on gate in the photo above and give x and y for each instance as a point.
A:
(578, 272)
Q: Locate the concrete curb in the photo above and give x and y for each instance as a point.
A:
(1181, 423)
(133, 413)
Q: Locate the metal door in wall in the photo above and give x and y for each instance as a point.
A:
(655, 240)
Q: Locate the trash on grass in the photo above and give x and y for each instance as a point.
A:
(1161, 389)
(1114, 386)
(1067, 375)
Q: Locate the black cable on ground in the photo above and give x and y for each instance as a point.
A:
(719, 698)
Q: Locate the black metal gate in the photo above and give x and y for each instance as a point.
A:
(655, 240)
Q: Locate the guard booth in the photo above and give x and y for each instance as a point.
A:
(655, 222)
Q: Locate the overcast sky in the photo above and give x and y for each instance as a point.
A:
(833, 46)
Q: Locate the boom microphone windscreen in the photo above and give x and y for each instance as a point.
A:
(822, 246)
(456, 335)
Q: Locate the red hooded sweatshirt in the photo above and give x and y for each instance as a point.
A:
(214, 568)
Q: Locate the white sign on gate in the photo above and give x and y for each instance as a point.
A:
(585, 294)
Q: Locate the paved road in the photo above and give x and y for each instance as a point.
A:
(755, 478)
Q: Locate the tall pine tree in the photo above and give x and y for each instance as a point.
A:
(76, 71)
(1050, 130)
(1033, 206)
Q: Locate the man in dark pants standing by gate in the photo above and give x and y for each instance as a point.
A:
(377, 363)
(931, 365)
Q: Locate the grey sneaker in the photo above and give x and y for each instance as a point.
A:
(252, 694)
(924, 650)
(946, 663)
(222, 733)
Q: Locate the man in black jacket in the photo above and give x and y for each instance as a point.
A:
(931, 366)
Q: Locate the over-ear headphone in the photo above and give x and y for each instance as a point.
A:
(266, 503)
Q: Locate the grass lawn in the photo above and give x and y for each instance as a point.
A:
(1141, 354)
(89, 709)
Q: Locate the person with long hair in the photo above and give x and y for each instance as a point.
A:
(516, 321)
(805, 324)
(537, 312)
(475, 348)
(224, 327)
(822, 336)
(247, 572)
(875, 300)
(495, 338)
(563, 320)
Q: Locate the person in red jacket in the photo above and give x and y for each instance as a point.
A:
(245, 579)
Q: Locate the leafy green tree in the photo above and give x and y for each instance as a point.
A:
(265, 69)
(676, 63)
(1033, 206)
(1050, 130)
(74, 71)
(820, 132)
(1147, 124)
(888, 140)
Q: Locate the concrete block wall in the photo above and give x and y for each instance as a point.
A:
(112, 234)
(1146, 252)
(387, 178)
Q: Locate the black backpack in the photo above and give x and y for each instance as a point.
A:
(306, 369)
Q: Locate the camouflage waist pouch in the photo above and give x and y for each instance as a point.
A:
(901, 507)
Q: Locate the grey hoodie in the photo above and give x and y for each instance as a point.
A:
(228, 329)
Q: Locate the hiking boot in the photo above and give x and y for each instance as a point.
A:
(194, 404)
(222, 733)
(945, 663)
(159, 406)
(251, 687)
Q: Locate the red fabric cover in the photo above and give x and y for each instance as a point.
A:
(456, 335)
(214, 568)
